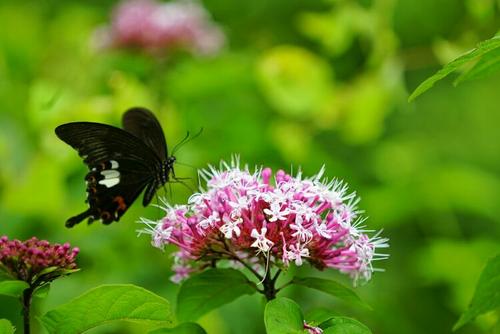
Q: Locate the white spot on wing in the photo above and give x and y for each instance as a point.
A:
(111, 178)
(110, 174)
(114, 164)
(110, 182)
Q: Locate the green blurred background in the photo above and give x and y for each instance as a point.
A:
(299, 83)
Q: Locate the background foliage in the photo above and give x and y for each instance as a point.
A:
(299, 83)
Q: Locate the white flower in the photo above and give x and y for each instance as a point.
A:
(300, 231)
(297, 253)
(241, 203)
(161, 236)
(304, 211)
(197, 199)
(261, 242)
(230, 227)
(210, 220)
(323, 230)
(243, 180)
(275, 212)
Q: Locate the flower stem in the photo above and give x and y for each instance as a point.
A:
(248, 267)
(26, 299)
(276, 275)
(235, 257)
(269, 288)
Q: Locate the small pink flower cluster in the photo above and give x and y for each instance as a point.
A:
(248, 219)
(27, 260)
(311, 329)
(159, 27)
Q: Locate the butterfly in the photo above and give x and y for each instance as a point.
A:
(122, 163)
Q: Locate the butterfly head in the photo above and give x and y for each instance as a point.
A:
(167, 168)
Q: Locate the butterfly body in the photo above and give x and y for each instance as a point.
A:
(166, 168)
(122, 163)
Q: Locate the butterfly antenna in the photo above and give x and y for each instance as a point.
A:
(179, 144)
(186, 140)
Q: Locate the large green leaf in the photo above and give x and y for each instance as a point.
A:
(283, 316)
(108, 303)
(487, 295)
(344, 325)
(319, 315)
(210, 289)
(331, 287)
(185, 328)
(13, 288)
(6, 327)
(481, 49)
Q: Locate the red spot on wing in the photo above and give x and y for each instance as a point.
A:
(122, 206)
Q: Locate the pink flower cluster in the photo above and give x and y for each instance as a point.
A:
(255, 221)
(159, 27)
(27, 260)
(311, 329)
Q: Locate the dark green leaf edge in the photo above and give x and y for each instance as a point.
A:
(489, 285)
(481, 49)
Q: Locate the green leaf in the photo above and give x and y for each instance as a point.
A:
(48, 270)
(487, 65)
(319, 315)
(42, 292)
(52, 273)
(487, 295)
(283, 316)
(331, 287)
(108, 303)
(6, 327)
(481, 49)
(210, 289)
(185, 328)
(13, 288)
(344, 325)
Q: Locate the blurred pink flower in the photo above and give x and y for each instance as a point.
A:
(246, 218)
(36, 261)
(159, 27)
(312, 330)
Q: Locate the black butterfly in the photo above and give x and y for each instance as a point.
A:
(121, 162)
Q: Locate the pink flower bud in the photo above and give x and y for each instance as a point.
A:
(25, 260)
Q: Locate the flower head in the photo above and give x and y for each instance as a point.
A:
(36, 261)
(247, 216)
(160, 27)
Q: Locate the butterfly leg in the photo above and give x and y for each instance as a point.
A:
(180, 180)
(170, 190)
(78, 218)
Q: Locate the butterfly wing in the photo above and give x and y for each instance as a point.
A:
(143, 124)
(120, 167)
